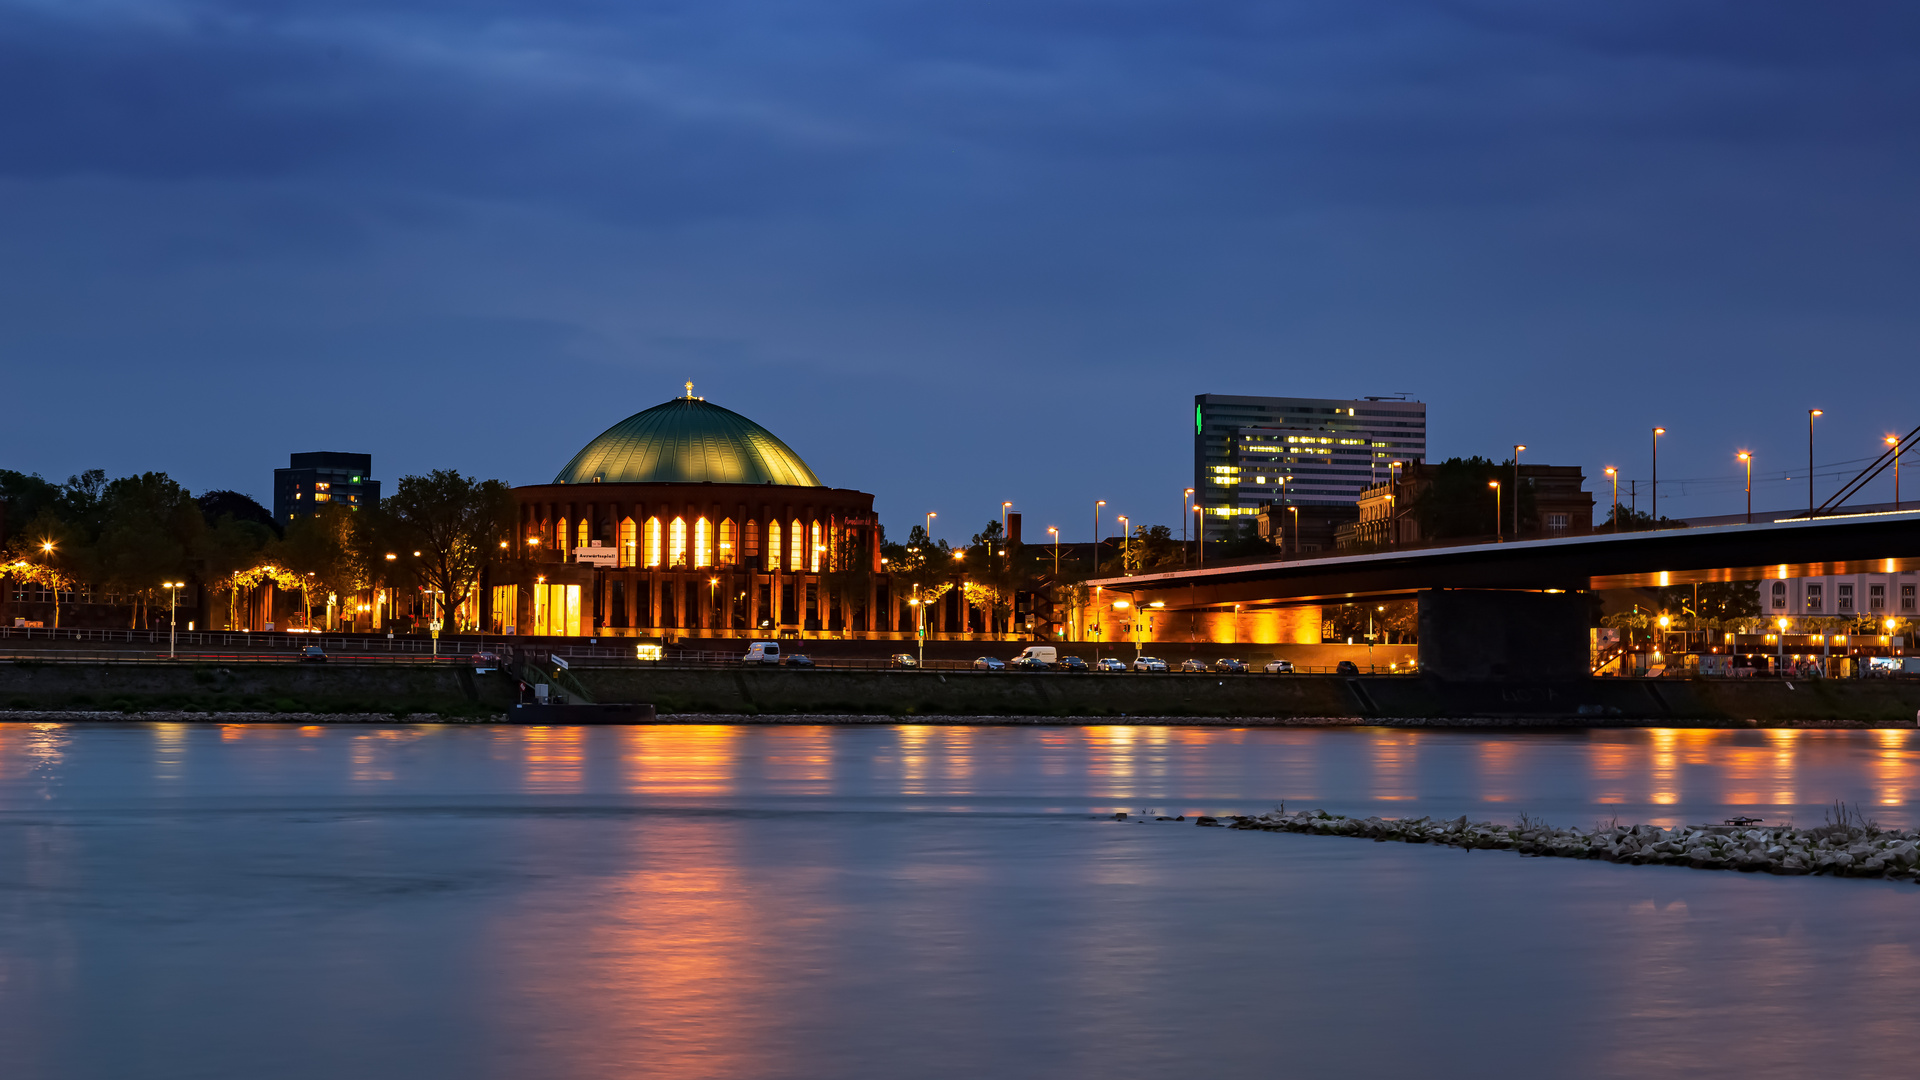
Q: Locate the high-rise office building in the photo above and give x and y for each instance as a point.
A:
(323, 478)
(1250, 451)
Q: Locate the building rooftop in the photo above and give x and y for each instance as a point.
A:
(687, 441)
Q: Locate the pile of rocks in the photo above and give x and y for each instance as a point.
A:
(1848, 849)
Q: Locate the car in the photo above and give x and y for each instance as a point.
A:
(989, 663)
(1031, 663)
(1279, 667)
(313, 654)
(1230, 666)
(1346, 667)
(1072, 663)
(902, 660)
(797, 660)
(1109, 664)
(1149, 663)
(1192, 665)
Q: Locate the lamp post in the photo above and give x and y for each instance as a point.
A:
(1185, 498)
(1200, 535)
(1098, 503)
(1495, 485)
(1654, 513)
(1056, 549)
(1126, 544)
(1747, 460)
(1811, 413)
(1516, 489)
(1295, 511)
(173, 611)
(1894, 441)
(53, 579)
(1613, 475)
(1006, 539)
(930, 516)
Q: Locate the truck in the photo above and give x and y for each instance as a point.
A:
(762, 652)
(1036, 656)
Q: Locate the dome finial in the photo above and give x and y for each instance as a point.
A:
(689, 389)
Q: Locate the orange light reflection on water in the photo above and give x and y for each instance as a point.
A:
(1394, 755)
(674, 759)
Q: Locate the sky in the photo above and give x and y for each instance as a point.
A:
(956, 253)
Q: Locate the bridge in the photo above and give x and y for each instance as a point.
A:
(1490, 610)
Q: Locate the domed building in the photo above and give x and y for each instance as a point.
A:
(690, 520)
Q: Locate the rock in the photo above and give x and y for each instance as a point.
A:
(1121, 816)
(1206, 821)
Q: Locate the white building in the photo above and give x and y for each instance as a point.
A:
(1880, 596)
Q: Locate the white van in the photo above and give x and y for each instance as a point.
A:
(1036, 656)
(762, 652)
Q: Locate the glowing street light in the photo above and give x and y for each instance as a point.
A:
(930, 516)
(1495, 485)
(1517, 447)
(1613, 475)
(173, 610)
(1894, 441)
(1097, 504)
(1655, 513)
(1746, 459)
(1056, 549)
(1126, 544)
(1811, 413)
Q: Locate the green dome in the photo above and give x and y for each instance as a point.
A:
(687, 441)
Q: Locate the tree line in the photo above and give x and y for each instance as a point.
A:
(121, 539)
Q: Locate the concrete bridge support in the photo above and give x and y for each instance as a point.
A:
(1479, 634)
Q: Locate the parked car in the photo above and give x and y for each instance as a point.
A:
(1108, 663)
(904, 660)
(313, 654)
(1149, 663)
(1346, 667)
(484, 662)
(1191, 664)
(797, 660)
(1280, 667)
(1228, 665)
(989, 663)
(1072, 663)
(1031, 663)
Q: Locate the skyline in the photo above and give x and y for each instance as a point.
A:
(955, 255)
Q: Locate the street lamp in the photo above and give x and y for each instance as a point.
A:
(1894, 441)
(1811, 413)
(1185, 498)
(1098, 503)
(173, 610)
(930, 516)
(1006, 539)
(1655, 515)
(1613, 475)
(1495, 485)
(1516, 489)
(1126, 544)
(1056, 549)
(1747, 460)
(1295, 511)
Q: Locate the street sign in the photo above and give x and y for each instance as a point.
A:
(435, 626)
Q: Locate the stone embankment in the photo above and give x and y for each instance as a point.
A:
(1847, 848)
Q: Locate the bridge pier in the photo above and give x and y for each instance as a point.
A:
(1480, 634)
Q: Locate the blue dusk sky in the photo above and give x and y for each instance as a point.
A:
(956, 252)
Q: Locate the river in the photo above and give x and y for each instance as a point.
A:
(768, 901)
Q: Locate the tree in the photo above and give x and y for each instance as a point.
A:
(1460, 501)
(320, 550)
(456, 523)
(1632, 520)
(147, 528)
(215, 504)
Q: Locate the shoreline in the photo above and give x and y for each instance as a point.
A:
(255, 716)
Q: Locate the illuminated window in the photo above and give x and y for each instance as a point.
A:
(581, 533)
(560, 535)
(653, 541)
(815, 549)
(726, 552)
(702, 543)
(773, 545)
(796, 539)
(629, 543)
(1813, 598)
(677, 542)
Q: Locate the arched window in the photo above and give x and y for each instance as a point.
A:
(796, 540)
(816, 548)
(677, 542)
(773, 545)
(560, 538)
(629, 544)
(702, 543)
(653, 541)
(727, 551)
(752, 543)
(580, 532)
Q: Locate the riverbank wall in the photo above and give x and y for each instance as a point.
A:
(457, 692)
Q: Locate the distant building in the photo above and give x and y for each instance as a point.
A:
(1561, 507)
(1251, 451)
(1876, 596)
(1303, 530)
(324, 478)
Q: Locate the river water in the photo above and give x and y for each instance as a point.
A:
(888, 902)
